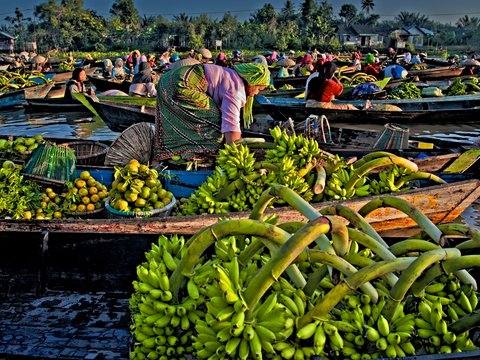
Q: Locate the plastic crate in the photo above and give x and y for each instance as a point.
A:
(183, 183)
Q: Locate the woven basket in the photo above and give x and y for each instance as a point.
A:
(133, 143)
(88, 152)
(116, 214)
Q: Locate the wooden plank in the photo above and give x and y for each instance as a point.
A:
(464, 162)
(437, 202)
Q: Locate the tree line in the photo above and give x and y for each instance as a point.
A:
(68, 25)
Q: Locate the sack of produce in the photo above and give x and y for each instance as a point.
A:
(431, 91)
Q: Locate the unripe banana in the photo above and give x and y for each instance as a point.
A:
(382, 326)
(307, 331)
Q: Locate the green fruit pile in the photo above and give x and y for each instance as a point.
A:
(137, 188)
(331, 288)
(84, 194)
(297, 162)
(21, 147)
(18, 197)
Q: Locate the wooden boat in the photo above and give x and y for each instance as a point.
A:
(437, 73)
(104, 84)
(431, 110)
(436, 62)
(119, 116)
(300, 81)
(64, 76)
(54, 105)
(16, 97)
(441, 203)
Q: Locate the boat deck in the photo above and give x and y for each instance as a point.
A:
(64, 325)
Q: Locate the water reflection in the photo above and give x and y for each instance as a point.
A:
(74, 125)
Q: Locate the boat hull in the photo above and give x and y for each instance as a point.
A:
(17, 97)
(432, 110)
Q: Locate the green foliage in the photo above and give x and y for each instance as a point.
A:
(68, 25)
(406, 91)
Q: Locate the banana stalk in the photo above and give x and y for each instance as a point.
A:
(314, 280)
(321, 179)
(369, 157)
(289, 196)
(339, 233)
(465, 262)
(376, 247)
(419, 175)
(203, 239)
(351, 283)
(355, 219)
(452, 229)
(418, 287)
(466, 323)
(402, 247)
(375, 163)
(344, 267)
(280, 260)
(404, 206)
(291, 227)
(266, 165)
(409, 276)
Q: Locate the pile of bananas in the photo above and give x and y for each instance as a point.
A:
(297, 162)
(20, 147)
(65, 66)
(11, 81)
(239, 179)
(251, 289)
(357, 78)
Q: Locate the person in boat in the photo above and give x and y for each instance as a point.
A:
(119, 72)
(395, 71)
(198, 105)
(307, 65)
(372, 66)
(151, 60)
(47, 67)
(132, 61)
(407, 58)
(141, 59)
(142, 83)
(191, 54)
(237, 56)
(323, 88)
(107, 68)
(204, 56)
(416, 59)
(221, 59)
(356, 56)
(471, 67)
(164, 59)
(18, 62)
(298, 65)
(75, 85)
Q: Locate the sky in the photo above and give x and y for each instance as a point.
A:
(446, 11)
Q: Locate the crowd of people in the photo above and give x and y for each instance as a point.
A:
(202, 99)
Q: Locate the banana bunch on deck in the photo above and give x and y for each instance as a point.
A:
(331, 288)
(298, 163)
(11, 81)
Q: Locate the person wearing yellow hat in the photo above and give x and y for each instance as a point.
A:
(201, 105)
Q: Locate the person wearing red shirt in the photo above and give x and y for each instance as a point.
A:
(323, 89)
(325, 86)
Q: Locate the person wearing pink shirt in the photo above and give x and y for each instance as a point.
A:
(200, 105)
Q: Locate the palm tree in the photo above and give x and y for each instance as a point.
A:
(467, 22)
(409, 18)
(368, 5)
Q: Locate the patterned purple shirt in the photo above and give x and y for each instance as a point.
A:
(227, 89)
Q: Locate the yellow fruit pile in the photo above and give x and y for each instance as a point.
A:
(85, 194)
(137, 188)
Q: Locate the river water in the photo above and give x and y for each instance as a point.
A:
(72, 126)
